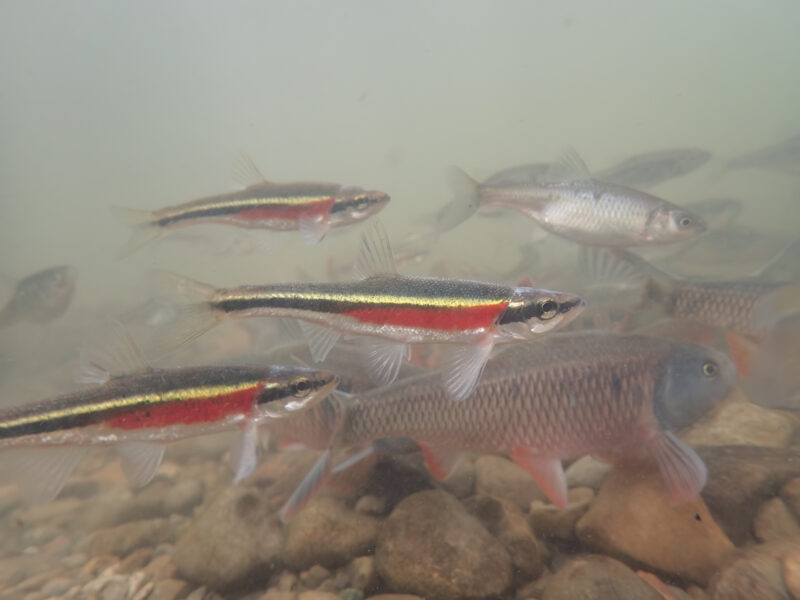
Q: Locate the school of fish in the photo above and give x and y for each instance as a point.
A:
(455, 364)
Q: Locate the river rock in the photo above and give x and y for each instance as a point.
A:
(740, 478)
(461, 483)
(774, 521)
(328, 533)
(552, 523)
(587, 471)
(362, 574)
(790, 494)
(751, 576)
(595, 577)
(507, 523)
(739, 422)
(234, 541)
(431, 546)
(633, 517)
(501, 478)
(169, 589)
(123, 539)
(182, 497)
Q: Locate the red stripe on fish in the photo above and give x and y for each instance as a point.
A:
(321, 207)
(445, 318)
(190, 411)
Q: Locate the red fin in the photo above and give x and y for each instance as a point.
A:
(441, 462)
(547, 472)
(525, 282)
(741, 352)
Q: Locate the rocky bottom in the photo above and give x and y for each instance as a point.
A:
(385, 530)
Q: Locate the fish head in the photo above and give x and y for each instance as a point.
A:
(291, 390)
(352, 204)
(695, 378)
(47, 294)
(671, 224)
(532, 312)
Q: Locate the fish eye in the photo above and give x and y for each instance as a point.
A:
(685, 221)
(710, 368)
(301, 387)
(548, 308)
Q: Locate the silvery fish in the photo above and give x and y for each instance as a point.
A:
(140, 411)
(570, 203)
(392, 309)
(40, 297)
(783, 156)
(568, 395)
(313, 208)
(651, 168)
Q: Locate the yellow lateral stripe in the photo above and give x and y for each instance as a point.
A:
(365, 299)
(259, 201)
(139, 399)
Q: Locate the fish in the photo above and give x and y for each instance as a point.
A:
(652, 168)
(783, 157)
(392, 310)
(312, 208)
(620, 397)
(40, 297)
(140, 411)
(572, 204)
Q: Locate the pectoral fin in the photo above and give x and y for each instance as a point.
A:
(385, 358)
(463, 367)
(140, 461)
(684, 471)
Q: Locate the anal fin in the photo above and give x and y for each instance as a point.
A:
(442, 462)
(42, 472)
(546, 471)
(320, 339)
(385, 358)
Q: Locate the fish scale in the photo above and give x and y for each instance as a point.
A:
(729, 305)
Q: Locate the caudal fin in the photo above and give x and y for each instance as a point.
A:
(464, 204)
(144, 230)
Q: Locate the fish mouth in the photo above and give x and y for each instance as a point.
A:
(570, 307)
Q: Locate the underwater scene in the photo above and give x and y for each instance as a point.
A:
(395, 300)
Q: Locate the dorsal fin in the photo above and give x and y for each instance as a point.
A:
(569, 166)
(375, 257)
(602, 265)
(245, 173)
(112, 353)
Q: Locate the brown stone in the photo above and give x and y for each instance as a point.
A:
(123, 539)
(552, 523)
(774, 521)
(595, 577)
(752, 576)
(501, 478)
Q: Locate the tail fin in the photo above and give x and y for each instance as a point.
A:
(784, 266)
(465, 203)
(144, 230)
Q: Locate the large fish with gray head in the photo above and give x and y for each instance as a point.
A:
(40, 297)
(312, 208)
(565, 396)
(569, 202)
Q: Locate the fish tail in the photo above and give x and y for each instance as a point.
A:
(144, 230)
(773, 307)
(465, 202)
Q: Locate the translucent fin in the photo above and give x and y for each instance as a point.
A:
(320, 340)
(112, 353)
(742, 352)
(42, 472)
(442, 462)
(465, 203)
(180, 288)
(547, 472)
(245, 173)
(313, 227)
(384, 359)
(308, 488)
(244, 451)
(776, 305)
(375, 257)
(684, 471)
(144, 230)
(462, 368)
(784, 266)
(568, 167)
(601, 265)
(190, 322)
(140, 461)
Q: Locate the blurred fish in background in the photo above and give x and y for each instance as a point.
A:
(40, 297)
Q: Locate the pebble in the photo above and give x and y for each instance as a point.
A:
(183, 497)
(738, 422)
(135, 560)
(507, 524)
(328, 533)
(169, 589)
(634, 517)
(774, 521)
(587, 471)
(461, 482)
(552, 523)
(499, 477)
(317, 595)
(273, 594)
(791, 572)
(431, 546)
(397, 477)
(596, 577)
(395, 597)
(362, 574)
(752, 576)
(161, 566)
(57, 586)
(740, 478)
(314, 576)
(123, 539)
(371, 505)
(790, 494)
(74, 561)
(233, 541)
